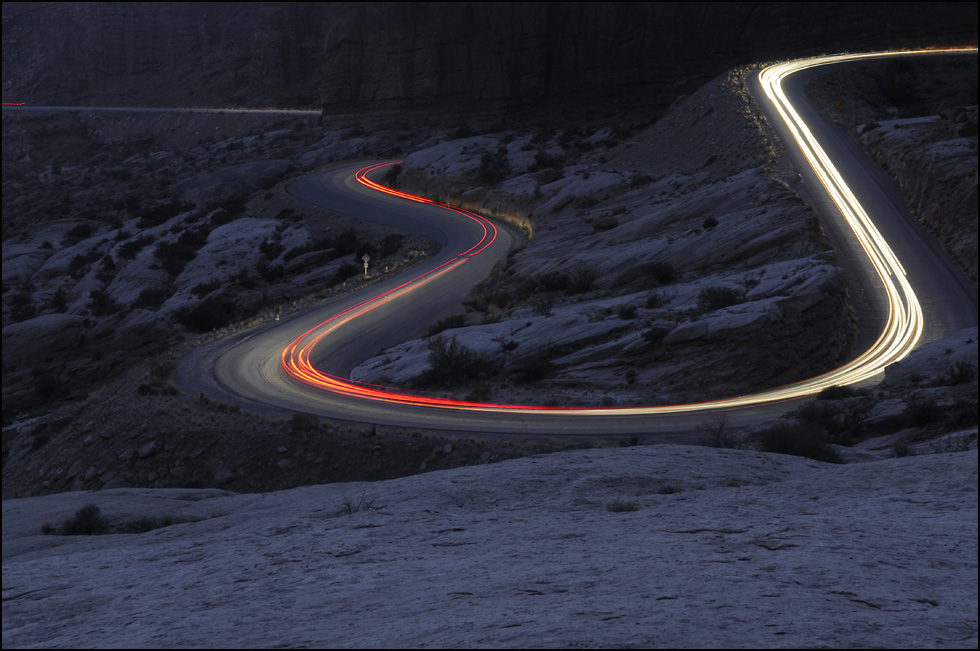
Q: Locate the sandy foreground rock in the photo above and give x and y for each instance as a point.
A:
(727, 549)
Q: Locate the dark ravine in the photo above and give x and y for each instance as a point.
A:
(461, 56)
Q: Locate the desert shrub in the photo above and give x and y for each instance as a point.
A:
(270, 272)
(626, 311)
(195, 237)
(174, 256)
(271, 249)
(245, 280)
(346, 271)
(79, 232)
(207, 315)
(662, 273)
(390, 177)
(897, 84)
(22, 306)
(346, 242)
(709, 223)
(390, 245)
(101, 304)
(59, 301)
(152, 298)
(959, 372)
(543, 304)
(128, 250)
(234, 205)
(582, 279)
(716, 298)
(221, 217)
(87, 521)
(544, 160)
(453, 321)
(639, 180)
(451, 362)
(798, 440)
(920, 412)
(144, 524)
(80, 263)
(837, 392)
(47, 383)
(494, 168)
(654, 300)
(162, 370)
(902, 449)
(622, 506)
(553, 281)
(838, 426)
(203, 289)
(719, 433)
(158, 214)
(304, 422)
(656, 334)
(535, 367)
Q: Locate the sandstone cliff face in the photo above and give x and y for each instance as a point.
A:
(934, 160)
(462, 56)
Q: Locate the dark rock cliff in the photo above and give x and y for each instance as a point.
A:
(462, 56)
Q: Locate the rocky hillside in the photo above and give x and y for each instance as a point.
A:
(467, 57)
(625, 293)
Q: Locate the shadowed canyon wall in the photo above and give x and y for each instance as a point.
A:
(457, 56)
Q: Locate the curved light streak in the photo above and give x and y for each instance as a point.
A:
(903, 326)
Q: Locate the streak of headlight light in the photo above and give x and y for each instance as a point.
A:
(903, 327)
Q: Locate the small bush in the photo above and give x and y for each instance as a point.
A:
(453, 321)
(346, 271)
(304, 422)
(156, 215)
(535, 367)
(128, 250)
(622, 506)
(718, 433)
(203, 289)
(837, 392)
(921, 412)
(271, 249)
(87, 521)
(662, 273)
(626, 311)
(391, 176)
(797, 440)
(390, 245)
(709, 223)
(582, 280)
(494, 168)
(902, 449)
(100, 304)
(162, 370)
(451, 362)
(207, 315)
(716, 298)
(654, 300)
(152, 298)
(960, 372)
(656, 334)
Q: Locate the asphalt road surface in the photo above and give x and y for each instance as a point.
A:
(250, 368)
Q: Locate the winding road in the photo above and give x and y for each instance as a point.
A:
(300, 364)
